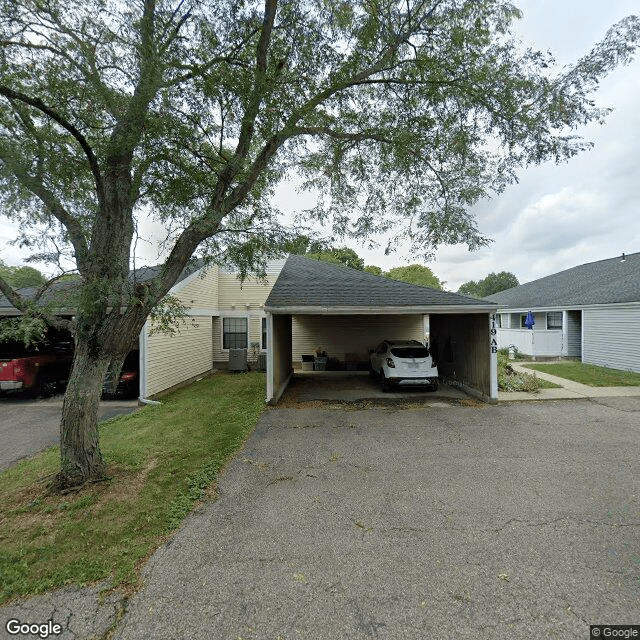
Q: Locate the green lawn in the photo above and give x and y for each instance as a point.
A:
(589, 374)
(161, 460)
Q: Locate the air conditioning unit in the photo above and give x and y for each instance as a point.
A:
(262, 362)
(237, 360)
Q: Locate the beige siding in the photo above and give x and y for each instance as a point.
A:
(339, 335)
(174, 359)
(250, 294)
(199, 291)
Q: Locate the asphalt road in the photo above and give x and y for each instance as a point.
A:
(509, 522)
(29, 426)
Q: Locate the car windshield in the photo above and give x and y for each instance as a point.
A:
(410, 352)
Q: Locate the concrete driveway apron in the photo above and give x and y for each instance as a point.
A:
(512, 521)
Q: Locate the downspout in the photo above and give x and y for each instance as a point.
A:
(143, 341)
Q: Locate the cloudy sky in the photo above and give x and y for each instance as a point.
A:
(557, 216)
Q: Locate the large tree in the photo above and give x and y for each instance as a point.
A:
(400, 114)
(493, 283)
(416, 274)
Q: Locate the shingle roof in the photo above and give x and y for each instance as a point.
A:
(61, 293)
(304, 282)
(604, 282)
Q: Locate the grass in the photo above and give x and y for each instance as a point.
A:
(511, 380)
(161, 460)
(589, 374)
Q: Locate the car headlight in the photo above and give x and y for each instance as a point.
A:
(391, 363)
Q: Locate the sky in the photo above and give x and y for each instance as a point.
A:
(560, 216)
(556, 217)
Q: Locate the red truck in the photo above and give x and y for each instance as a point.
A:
(43, 370)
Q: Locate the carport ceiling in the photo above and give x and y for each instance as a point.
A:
(307, 286)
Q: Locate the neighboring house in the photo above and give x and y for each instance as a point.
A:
(591, 312)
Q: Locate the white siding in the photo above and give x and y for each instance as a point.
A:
(339, 335)
(611, 336)
(174, 359)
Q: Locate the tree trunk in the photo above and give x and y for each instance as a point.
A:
(81, 458)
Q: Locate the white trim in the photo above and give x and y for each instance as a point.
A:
(142, 345)
(270, 373)
(203, 311)
(457, 309)
(493, 364)
(567, 307)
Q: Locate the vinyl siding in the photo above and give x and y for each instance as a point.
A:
(611, 336)
(339, 335)
(199, 291)
(250, 294)
(172, 359)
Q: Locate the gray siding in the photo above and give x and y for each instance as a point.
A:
(574, 334)
(611, 336)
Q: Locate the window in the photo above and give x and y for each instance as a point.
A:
(554, 320)
(522, 321)
(264, 333)
(234, 333)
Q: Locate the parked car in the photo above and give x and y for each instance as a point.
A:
(403, 362)
(41, 369)
(129, 381)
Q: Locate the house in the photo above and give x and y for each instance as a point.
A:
(591, 312)
(222, 313)
(347, 312)
(303, 304)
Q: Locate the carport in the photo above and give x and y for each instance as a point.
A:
(347, 312)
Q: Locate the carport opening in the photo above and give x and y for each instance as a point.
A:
(342, 344)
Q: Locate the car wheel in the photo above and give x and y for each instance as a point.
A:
(384, 383)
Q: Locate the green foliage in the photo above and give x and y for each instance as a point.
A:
(371, 268)
(168, 316)
(339, 255)
(21, 277)
(510, 380)
(416, 274)
(493, 283)
(25, 329)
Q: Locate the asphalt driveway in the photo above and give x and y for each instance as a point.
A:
(29, 426)
(516, 521)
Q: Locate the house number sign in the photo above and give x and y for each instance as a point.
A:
(494, 332)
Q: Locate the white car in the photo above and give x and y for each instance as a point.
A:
(403, 362)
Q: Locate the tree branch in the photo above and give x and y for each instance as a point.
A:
(65, 124)
(55, 207)
(27, 306)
